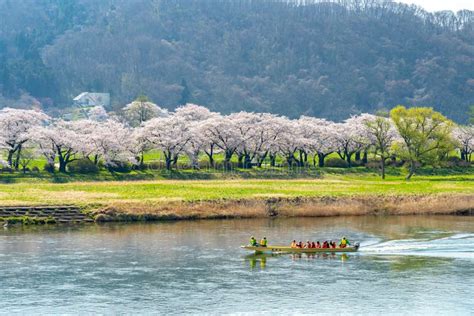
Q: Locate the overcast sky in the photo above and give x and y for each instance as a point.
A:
(438, 5)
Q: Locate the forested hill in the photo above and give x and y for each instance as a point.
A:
(326, 59)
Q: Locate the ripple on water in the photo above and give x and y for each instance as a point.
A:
(198, 267)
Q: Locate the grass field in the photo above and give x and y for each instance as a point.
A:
(162, 191)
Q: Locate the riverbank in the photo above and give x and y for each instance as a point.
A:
(325, 206)
(333, 195)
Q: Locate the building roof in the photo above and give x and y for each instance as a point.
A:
(93, 98)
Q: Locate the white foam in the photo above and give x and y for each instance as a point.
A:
(455, 246)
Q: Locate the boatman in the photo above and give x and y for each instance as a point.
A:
(344, 242)
(263, 242)
(253, 242)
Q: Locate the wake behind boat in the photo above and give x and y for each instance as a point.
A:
(287, 249)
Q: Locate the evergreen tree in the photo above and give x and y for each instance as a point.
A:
(186, 94)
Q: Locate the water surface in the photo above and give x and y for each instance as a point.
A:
(407, 265)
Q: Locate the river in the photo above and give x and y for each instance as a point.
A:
(406, 265)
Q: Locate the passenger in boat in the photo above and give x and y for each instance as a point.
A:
(293, 244)
(333, 244)
(300, 244)
(344, 242)
(318, 244)
(308, 244)
(253, 242)
(313, 245)
(263, 242)
(325, 244)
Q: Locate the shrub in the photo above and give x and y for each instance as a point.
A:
(155, 165)
(373, 164)
(219, 165)
(49, 167)
(336, 163)
(35, 169)
(357, 163)
(456, 162)
(119, 166)
(7, 169)
(83, 166)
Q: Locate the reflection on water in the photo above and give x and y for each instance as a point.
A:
(405, 265)
(260, 260)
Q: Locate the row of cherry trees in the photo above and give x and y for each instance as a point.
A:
(195, 131)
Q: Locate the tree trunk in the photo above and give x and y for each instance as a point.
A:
(349, 159)
(175, 161)
(227, 157)
(382, 162)
(411, 170)
(141, 161)
(240, 158)
(289, 160)
(168, 162)
(195, 161)
(18, 156)
(261, 159)
(272, 160)
(62, 165)
(321, 158)
(357, 156)
(10, 157)
(247, 161)
(365, 157)
(210, 156)
(303, 158)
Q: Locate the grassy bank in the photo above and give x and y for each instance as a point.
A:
(349, 194)
(215, 174)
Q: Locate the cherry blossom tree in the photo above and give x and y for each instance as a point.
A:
(224, 133)
(318, 137)
(61, 140)
(251, 129)
(464, 135)
(97, 113)
(26, 157)
(168, 134)
(351, 137)
(266, 134)
(109, 141)
(15, 130)
(290, 141)
(139, 144)
(114, 144)
(196, 117)
(142, 110)
(381, 133)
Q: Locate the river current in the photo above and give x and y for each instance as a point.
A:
(406, 265)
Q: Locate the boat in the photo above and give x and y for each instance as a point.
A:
(288, 249)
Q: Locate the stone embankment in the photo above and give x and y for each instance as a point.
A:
(54, 214)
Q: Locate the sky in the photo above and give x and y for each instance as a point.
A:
(438, 5)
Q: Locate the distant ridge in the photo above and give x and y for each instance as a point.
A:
(321, 58)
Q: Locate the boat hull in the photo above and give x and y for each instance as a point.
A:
(286, 249)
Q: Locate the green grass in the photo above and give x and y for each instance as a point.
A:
(162, 191)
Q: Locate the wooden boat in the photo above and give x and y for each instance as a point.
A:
(288, 249)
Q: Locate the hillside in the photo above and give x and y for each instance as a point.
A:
(320, 59)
